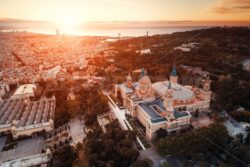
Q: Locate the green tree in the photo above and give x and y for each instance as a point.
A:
(79, 163)
(142, 163)
(161, 133)
(194, 141)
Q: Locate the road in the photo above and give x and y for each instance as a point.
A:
(153, 155)
(231, 119)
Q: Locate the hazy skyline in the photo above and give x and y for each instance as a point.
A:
(126, 10)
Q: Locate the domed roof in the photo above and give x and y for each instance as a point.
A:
(179, 92)
(145, 80)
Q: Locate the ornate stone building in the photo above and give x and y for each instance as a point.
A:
(165, 104)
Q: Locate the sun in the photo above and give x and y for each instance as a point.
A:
(69, 23)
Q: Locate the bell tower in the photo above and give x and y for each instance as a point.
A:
(129, 81)
(207, 84)
(173, 76)
(206, 92)
(168, 102)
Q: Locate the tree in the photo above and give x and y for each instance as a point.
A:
(195, 141)
(114, 148)
(196, 113)
(165, 164)
(73, 107)
(132, 135)
(247, 141)
(161, 133)
(79, 163)
(143, 163)
(64, 157)
(100, 103)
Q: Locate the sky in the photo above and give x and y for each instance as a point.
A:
(126, 10)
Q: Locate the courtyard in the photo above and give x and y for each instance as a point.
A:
(23, 148)
(77, 130)
(203, 120)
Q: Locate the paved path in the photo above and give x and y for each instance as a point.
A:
(76, 131)
(174, 162)
(233, 125)
(24, 148)
(153, 155)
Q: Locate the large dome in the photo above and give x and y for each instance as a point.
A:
(180, 93)
(145, 80)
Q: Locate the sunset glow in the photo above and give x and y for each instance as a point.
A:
(125, 10)
(69, 23)
(125, 83)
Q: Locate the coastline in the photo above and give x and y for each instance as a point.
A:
(109, 32)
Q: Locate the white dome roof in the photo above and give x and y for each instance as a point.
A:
(179, 92)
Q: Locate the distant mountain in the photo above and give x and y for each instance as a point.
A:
(11, 20)
(10, 23)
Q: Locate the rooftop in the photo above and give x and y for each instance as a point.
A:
(25, 89)
(155, 117)
(126, 89)
(24, 113)
(28, 161)
(24, 148)
(179, 92)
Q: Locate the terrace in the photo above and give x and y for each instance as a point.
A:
(140, 132)
(22, 148)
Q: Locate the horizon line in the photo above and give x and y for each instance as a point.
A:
(106, 21)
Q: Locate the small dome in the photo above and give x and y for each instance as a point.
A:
(129, 78)
(145, 80)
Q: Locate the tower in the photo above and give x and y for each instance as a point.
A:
(173, 76)
(129, 81)
(206, 92)
(168, 102)
(207, 83)
(143, 73)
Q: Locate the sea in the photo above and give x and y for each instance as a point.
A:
(114, 32)
(111, 29)
(119, 29)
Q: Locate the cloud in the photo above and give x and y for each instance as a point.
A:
(232, 6)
